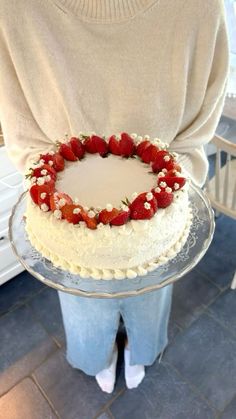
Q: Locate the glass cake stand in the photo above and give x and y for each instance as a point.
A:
(198, 241)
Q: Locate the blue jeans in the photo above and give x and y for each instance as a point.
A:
(91, 326)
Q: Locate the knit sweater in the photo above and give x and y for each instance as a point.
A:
(155, 67)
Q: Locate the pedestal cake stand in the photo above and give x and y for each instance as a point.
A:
(198, 241)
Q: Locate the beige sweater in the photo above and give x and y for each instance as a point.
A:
(154, 67)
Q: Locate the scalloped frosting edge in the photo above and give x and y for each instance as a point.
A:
(108, 274)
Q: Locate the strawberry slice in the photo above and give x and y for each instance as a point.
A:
(141, 211)
(161, 160)
(47, 170)
(164, 199)
(58, 162)
(114, 145)
(174, 182)
(127, 147)
(91, 222)
(145, 197)
(141, 147)
(56, 200)
(105, 216)
(121, 218)
(69, 213)
(77, 147)
(90, 145)
(37, 190)
(149, 154)
(66, 151)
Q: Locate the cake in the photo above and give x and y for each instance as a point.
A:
(108, 208)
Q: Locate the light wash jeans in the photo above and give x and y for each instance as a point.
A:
(91, 326)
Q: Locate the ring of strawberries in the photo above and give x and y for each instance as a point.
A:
(43, 178)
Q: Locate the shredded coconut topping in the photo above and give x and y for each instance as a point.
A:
(57, 214)
(40, 181)
(163, 184)
(76, 210)
(61, 202)
(167, 158)
(91, 214)
(149, 196)
(44, 207)
(109, 207)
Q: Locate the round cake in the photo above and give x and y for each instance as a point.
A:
(108, 208)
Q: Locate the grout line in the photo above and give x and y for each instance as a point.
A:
(29, 372)
(192, 386)
(34, 379)
(108, 403)
(25, 302)
(205, 276)
(220, 323)
(110, 414)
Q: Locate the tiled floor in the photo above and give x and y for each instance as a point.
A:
(195, 379)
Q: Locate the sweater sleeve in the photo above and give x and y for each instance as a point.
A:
(198, 131)
(22, 135)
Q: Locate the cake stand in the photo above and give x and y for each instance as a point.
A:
(198, 241)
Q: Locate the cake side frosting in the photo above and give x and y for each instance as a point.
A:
(107, 252)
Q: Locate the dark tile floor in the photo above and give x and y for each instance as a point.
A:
(195, 379)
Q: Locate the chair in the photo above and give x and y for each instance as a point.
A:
(221, 188)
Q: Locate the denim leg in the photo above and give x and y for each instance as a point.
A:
(146, 321)
(90, 326)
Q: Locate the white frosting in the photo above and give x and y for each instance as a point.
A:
(111, 252)
(97, 181)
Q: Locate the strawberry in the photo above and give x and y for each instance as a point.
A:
(141, 211)
(91, 222)
(172, 165)
(164, 199)
(121, 218)
(141, 147)
(49, 171)
(105, 216)
(127, 147)
(174, 182)
(55, 198)
(114, 145)
(144, 197)
(77, 147)
(160, 161)
(90, 145)
(69, 215)
(66, 151)
(46, 157)
(58, 162)
(149, 154)
(36, 190)
(101, 145)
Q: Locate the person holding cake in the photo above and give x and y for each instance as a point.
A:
(146, 67)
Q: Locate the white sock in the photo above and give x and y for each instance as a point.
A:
(134, 374)
(106, 378)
